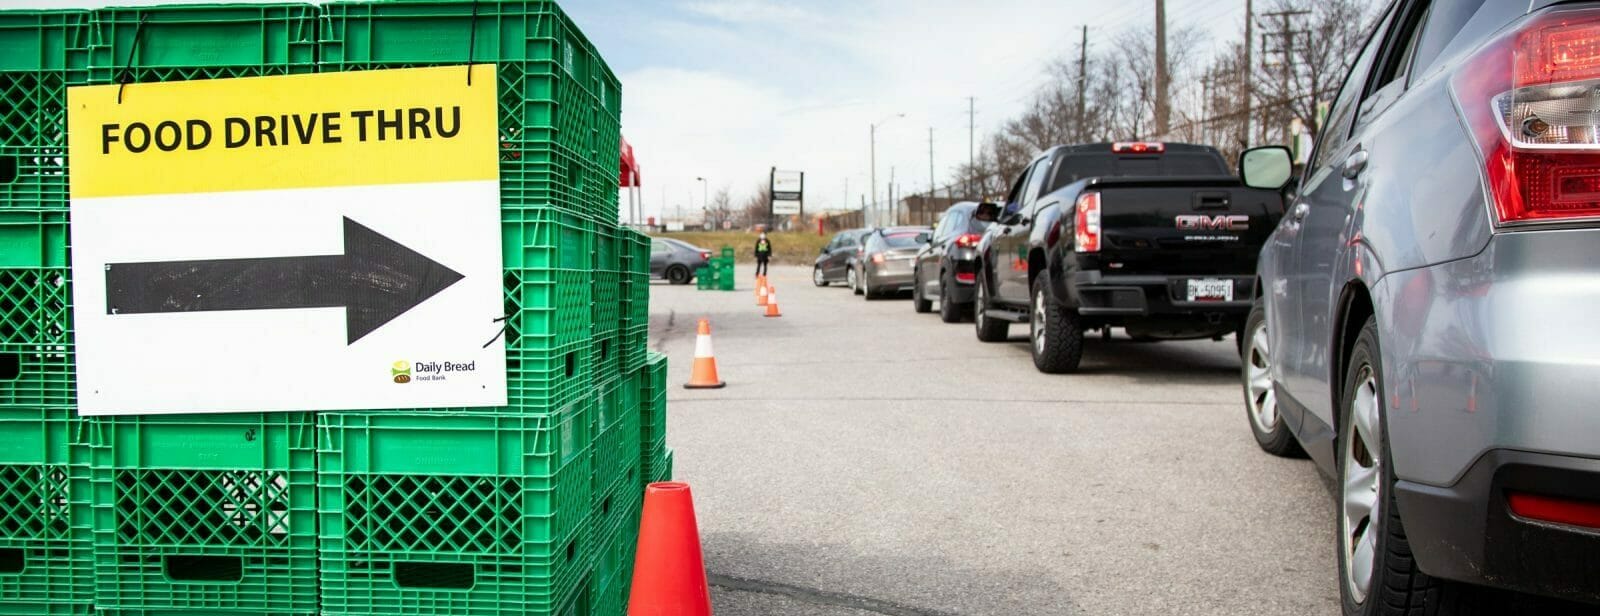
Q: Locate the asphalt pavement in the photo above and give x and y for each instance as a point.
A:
(867, 460)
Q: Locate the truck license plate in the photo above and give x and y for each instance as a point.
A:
(1210, 290)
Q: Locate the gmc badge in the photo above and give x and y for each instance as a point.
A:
(1198, 222)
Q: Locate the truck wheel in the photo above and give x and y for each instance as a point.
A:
(949, 310)
(989, 330)
(1260, 399)
(919, 301)
(1055, 331)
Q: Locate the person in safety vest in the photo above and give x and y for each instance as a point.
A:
(763, 252)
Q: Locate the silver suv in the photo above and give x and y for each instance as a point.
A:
(1424, 331)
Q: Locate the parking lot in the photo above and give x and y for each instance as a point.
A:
(864, 459)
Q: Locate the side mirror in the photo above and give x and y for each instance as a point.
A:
(823, 251)
(1266, 168)
(987, 212)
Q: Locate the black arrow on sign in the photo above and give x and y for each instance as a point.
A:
(375, 280)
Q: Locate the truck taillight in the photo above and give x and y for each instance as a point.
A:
(1086, 236)
(1138, 147)
(968, 240)
(1530, 97)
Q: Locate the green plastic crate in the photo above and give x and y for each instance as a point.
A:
(46, 532)
(653, 401)
(617, 531)
(607, 305)
(704, 278)
(547, 309)
(187, 42)
(635, 345)
(205, 513)
(41, 54)
(36, 340)
(616, 454)
(553, 98)
(465, 515)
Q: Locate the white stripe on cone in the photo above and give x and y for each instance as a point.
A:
(702, 347)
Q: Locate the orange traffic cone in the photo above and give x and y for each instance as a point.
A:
(669, 572)
(772, 302)
(704, 374)
(761, 290)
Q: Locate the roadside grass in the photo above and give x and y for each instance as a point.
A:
(788, 248)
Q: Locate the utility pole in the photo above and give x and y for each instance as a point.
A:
(930, 162)
(1248, 78)
(1083, 80)
(888, 208)
(971, 131)
(1163, 105)
(1286, 35)
(872, 179)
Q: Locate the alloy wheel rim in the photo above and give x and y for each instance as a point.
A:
(852, 276)
(1362, 473)
(816, 276)
(1036, 322)
(1258, 379)
(977, 313)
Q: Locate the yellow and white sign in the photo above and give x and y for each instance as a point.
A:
(308, 242)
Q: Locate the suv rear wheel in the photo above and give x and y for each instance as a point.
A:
(989, 330)
(1055, 331)
(1377, 574)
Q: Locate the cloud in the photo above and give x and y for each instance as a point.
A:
(749, 12)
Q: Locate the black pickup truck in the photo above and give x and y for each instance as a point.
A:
(1157, 238)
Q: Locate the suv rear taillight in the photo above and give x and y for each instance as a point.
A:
(1086, 235)
(1532, 100)
(968, 240)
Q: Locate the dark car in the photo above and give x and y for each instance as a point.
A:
(947, 265)
(834, 264)
(676, 260)
(1426, 330)
(884, 265)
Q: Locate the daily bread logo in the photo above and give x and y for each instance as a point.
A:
(223, 229)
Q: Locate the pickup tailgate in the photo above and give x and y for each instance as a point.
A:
(1180, 226)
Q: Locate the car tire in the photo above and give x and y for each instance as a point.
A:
(1394, 586)
(867, 291)
(919, 301)
(949, 311)
(989, 330)
(1055, 332)
(852, 280)
(679, 274)
(818, 278)
(1260, 398)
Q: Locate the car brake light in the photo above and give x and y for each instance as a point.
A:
(1138, 147)
(968, 240)
(1528, 97)
(705, 255)
(877, 257)
(1086, 234)
(1557, 510)
(966, 277)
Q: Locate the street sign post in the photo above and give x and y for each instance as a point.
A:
(309, 242)
(788, 193)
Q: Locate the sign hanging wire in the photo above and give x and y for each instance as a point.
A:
(128, 66)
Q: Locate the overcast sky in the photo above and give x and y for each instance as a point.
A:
(726, 89)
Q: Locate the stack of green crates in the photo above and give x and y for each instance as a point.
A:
(46, 532)
(718, 276)
(525, 509)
